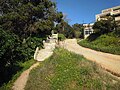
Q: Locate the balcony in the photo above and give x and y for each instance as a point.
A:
(102, 15)
(115, 12)
(117, 18)
(107, 10)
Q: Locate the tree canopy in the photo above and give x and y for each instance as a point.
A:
(24, 24)
(26, 17)
(78, 30)
(105, 26)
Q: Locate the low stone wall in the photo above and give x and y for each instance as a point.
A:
(49, 46)
(36, 53)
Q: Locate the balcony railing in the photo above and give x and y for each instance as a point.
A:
(117, 18)
(116, 12)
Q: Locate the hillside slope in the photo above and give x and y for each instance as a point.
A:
(104, 43)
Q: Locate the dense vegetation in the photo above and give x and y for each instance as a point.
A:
(23, 26)
(25, 23)
(68, 71)
(20, 67)
(74, 31)
(106, 36)
(104, 43)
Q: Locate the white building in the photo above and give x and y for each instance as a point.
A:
(88, 29)
(114, 11)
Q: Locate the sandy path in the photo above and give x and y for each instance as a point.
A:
(21, 81)
(108, 61)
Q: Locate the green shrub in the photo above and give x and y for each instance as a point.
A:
(12, 51)
(23, 66)
(105, 43)
(61, 37)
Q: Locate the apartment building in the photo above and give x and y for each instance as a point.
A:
(87, 30)
(114, 11)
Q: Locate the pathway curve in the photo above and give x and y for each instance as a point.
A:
(20, 83)
(108, 61)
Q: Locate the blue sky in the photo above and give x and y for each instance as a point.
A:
(84, 11)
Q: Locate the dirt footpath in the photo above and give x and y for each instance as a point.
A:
(42, 55)
(21, 81)
(108, 61)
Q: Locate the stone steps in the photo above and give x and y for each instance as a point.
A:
(46, 52)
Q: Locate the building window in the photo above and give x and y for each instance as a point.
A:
(86, 32)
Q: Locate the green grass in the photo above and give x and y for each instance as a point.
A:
(68, 71)
(104, 43)
(24, 66)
